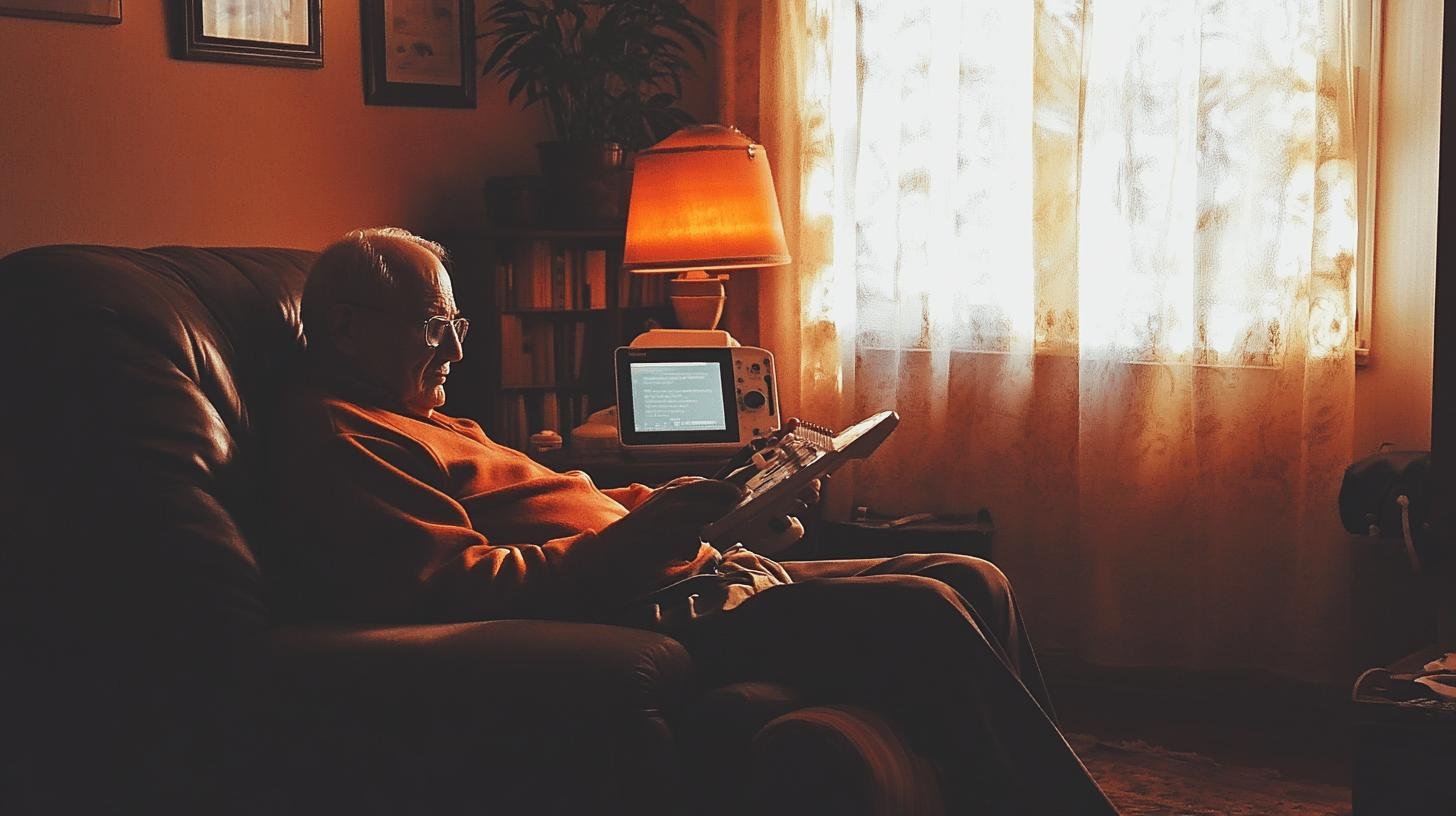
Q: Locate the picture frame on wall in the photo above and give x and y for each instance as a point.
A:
(104, 12)
(286, 33)
(419, 52)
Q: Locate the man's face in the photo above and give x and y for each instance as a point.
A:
(387, 347)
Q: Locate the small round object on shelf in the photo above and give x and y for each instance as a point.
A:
(546, 440)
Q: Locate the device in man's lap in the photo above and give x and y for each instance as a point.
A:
(772, 472)
(776, 470)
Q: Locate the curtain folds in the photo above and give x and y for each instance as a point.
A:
(1099, 255)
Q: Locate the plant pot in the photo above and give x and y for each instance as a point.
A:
(587, 183)
(515, 201)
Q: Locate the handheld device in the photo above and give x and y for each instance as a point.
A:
(699, 398)
(773, 474)
(772, 471)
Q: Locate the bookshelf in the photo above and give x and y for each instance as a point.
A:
(548, 307)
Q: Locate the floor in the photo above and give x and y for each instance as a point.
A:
(1300, 730)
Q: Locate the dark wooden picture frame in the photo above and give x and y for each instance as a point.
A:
(247, 40)
(419, 52)
(104, 12)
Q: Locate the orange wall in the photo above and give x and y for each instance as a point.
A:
(106, 139)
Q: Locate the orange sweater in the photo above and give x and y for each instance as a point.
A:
(388, 517)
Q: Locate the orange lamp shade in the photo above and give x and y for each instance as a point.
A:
(703, 198)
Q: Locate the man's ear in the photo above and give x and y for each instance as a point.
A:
(344, 328)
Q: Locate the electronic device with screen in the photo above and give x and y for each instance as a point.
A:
(773, 471)
(698, 399)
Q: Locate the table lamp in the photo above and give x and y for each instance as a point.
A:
(702, 201)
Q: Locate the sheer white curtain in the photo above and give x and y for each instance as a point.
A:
(1099, 256)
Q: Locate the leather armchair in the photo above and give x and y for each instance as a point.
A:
(147, 673)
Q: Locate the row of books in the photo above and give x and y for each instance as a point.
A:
(523, 413)
(546, 275)
(541, 352)
(643, 290)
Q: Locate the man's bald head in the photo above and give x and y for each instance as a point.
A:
(371, 267)
(366, 306)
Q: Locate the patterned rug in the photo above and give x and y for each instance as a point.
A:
(1146, 780)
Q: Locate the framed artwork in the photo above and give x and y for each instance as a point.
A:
(107, 12)
(419, 52)
(259, 32)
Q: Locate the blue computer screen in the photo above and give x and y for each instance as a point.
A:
(677, 396)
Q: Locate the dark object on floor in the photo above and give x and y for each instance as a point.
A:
(1405, 742)
(1389, 495)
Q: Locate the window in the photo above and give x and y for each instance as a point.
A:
(1366, 37)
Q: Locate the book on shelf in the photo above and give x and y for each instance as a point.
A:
(641, 290)
(561, 351)
(541, 345)
(541, 272)
(544, 275)
(505, 275)
(540, 352)
(560, 292)
(578, 350)
(515, 370)
(521, 427)
(550, 413)
(594, 262)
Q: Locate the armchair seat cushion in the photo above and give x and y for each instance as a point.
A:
(485, 672)
(491, 715)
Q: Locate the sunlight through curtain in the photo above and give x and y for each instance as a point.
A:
(1099, 257)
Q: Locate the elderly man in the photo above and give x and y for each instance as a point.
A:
(399, 513)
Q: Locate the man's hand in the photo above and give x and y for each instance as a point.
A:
(809, 496)
(665, 528)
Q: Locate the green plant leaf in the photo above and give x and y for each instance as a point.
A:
(516, 87)
(602, 69)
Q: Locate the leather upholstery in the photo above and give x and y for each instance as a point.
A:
(135, 377)
(531, 716)
(148, 674)
(145, 368)
(863, 766)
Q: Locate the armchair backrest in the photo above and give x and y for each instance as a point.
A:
(135, 382)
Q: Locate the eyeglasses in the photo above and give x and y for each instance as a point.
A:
(435, 329)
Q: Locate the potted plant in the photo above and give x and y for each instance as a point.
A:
(608, 75)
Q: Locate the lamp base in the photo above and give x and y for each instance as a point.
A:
(697, 299)
(683, 338)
